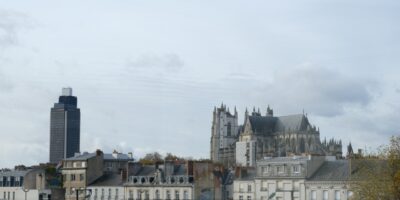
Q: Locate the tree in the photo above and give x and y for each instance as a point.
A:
(378, 176)
(151, 158)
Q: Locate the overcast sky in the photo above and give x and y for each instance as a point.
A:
(148, 74)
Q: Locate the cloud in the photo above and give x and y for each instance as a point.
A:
(320, 91)
(151, 62)
(10, 23)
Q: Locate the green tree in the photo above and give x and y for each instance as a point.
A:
(378, 176)
(151, 158)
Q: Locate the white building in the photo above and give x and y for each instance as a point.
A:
(297, 178)
(23, 184)
(167, 181)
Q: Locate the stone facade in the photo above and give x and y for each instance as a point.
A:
(224, 134)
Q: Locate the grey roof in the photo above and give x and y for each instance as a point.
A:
(82, 157)
(106, 156)
(119, 156)
(292, 122)
(332, 171)
(108, 179)
(284, 159)
(146, 170)
(262, 124)
(16, 173)
(269, 124)
(180, 170)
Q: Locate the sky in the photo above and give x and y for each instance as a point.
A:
(148, 74)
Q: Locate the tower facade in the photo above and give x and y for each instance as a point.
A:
(224, 133)
(65, 119)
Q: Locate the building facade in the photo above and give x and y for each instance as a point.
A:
(65, 120)
(296, 178)
(24, 184)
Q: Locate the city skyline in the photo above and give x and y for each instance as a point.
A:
(148, 74)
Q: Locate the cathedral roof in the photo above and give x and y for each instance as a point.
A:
(290, 122)
(269, 124)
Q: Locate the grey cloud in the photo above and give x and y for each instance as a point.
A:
(167, 62)
(10, 23)
(318, 90)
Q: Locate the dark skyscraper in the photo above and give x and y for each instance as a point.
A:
(65, 121)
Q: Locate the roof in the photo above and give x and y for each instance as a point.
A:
(285, 159)
(108, 179)
(262, 124)
(16, 173)
(118, 156)
(332, 171)
(270, 124)
(290, 122)
(82, 157)
(146, 170)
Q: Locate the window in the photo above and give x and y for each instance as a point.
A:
(265, 170)
(325, 195)
(157, 194)
(337, 195)
(313, 195)
(280, 169)
(176, 195)
(264, 186)
(72, 177)
(248, 197)
(116, 193)
(168, 195)
(81, 177)
(109, 193)
(240, 197)
(229, 129)
(130, 194)
(13, 196)
(241, 187)
(146, 195)
(296, 168)
(185, 195)
(102, 192)
(139, 195)
(349, 194)
(248, 188)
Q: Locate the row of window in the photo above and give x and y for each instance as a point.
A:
(102, 195)
(75, 164)
(73, 177)
(279, 169)
(7, 196)
(325, 195)
(242, 198)
(11, 181)
(145, 195)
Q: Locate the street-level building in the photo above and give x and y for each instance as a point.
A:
(163, 181)
(296, 178)
(80, 171)
(24, 184)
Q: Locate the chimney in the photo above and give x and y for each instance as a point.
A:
(130, 155)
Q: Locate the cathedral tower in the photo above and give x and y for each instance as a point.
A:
(224, 134)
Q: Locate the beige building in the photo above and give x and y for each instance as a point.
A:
(80, 171)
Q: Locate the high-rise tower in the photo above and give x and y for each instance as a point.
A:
(65, 118)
